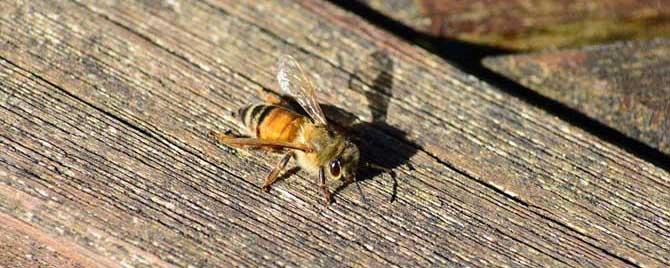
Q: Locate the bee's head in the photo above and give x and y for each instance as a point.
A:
(345, 164)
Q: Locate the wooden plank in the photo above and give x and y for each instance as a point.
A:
(22, 245)
(142, 185)
(122, 184)
(529, 25)
(486, 134)
(142, 84)
(625, 86)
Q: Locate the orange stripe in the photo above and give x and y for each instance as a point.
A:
(278, 125)
(262, 130)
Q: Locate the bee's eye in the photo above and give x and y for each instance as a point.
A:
(335, 168)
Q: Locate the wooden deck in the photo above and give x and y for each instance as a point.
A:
(530, 24)
(105, 109)
(625, 85)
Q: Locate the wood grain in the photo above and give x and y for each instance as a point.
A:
(623, 85)
(533, 24)
(105, 108)
(22, 245)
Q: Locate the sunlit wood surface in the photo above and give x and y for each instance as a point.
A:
(105, 108)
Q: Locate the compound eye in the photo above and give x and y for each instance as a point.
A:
(335, 168)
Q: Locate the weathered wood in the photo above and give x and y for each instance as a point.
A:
(22, 245)
(105, 108)
(625, 85)
(524, 25)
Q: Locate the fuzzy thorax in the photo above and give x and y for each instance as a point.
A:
(327, 146)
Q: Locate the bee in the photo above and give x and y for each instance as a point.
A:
(318, 147)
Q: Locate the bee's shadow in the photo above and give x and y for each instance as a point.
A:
(381, 144)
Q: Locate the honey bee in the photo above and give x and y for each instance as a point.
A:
(318, 147)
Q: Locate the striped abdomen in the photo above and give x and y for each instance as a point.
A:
(271, 122)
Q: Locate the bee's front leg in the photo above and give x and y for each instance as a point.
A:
(324, 186)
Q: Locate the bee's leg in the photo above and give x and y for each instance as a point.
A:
(235, 141)
(281, 100)
(324, 186)
(340, 184)
(222, 135)
(273, 99)
(219, 136)
(272, 177)
(269, 96)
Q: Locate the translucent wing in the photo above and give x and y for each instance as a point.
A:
(295, 82)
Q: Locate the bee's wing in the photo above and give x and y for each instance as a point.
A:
(295, 82)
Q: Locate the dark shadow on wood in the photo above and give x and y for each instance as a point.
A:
(380, 144)
(468, 57)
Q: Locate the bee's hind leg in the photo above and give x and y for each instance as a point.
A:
(273, 99)
(222, 136)
(270, 97)
(274, 174)
(258, 143)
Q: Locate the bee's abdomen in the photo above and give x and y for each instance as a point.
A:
(251, 115)
(271, 122)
